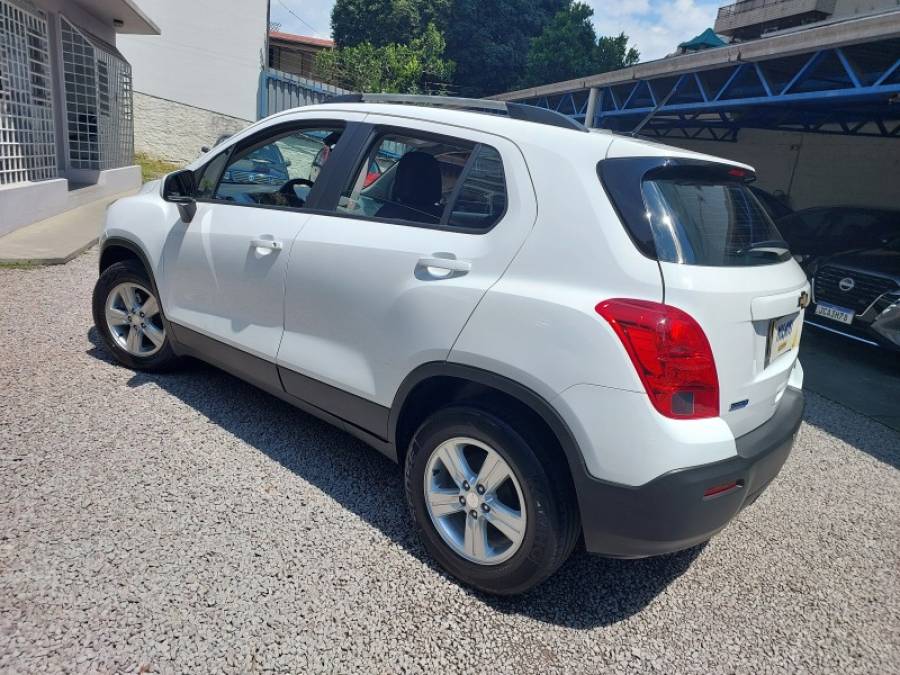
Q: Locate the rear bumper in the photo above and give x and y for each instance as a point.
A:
(670, 513)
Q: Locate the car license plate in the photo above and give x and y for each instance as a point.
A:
(835, 313)
(784, 335)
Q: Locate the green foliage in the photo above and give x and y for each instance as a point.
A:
(614, 53)
(489, 40)
(414, 68)
(568, 48)
(491, 45)
(385, 22)
(152, 167)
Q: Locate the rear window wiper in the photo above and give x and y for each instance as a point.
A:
(762, 245)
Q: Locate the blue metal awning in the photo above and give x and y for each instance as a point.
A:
(852, 90)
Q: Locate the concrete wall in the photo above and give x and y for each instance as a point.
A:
(844, 8)
(102, 28)
(209, 54)
(174, 131)
(816, 169)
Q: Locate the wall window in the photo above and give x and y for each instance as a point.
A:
(27, 135)
(280, 172)
(99, 119)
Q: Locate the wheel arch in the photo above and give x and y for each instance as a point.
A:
(434, 385)
(120, 249)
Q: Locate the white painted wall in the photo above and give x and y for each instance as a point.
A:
(209, 54)
(816, 169)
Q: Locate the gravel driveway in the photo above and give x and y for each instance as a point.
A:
(190, 523)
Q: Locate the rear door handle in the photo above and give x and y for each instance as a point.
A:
(270, 244)
(449, 264)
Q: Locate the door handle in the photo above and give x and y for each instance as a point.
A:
(449, 264)
(270, 244)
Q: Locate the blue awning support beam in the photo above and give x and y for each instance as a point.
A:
(851, 90)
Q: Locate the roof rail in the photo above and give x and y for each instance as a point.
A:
(519, 111)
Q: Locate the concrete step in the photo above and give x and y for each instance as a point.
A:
(57, 240)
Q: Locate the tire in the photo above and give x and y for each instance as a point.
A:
(143, 353)
(539, 482)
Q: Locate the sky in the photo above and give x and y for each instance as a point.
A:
(655, 27)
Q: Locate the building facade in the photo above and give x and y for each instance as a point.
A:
(200, 77)
(66, 110)
(296, 54)
(751, 19)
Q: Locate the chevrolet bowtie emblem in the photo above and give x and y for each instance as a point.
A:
(803, 302)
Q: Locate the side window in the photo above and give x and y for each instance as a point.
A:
(481, 201)
(207, 176)
(406, 178)
(278, 171)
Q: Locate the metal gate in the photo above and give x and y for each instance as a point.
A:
(281, 91)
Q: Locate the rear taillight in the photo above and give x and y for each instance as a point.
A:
(670, 353)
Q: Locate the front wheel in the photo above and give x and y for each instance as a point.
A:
(489, 504)
(128, 317)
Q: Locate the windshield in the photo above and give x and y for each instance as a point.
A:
(710, 221)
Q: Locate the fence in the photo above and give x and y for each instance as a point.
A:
(280, 91)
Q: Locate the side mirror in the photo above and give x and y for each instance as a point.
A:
(204, 149)
(179, 188)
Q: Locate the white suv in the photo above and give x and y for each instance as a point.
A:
(561, 334)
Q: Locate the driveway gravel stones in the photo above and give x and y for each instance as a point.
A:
(189, 523)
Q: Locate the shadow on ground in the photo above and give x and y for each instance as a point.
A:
(862, 378)
(587, 591)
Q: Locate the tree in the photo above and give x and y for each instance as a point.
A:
(414, 68)
(489, 41)
(614, 53)
(568, 48)
(384, 22)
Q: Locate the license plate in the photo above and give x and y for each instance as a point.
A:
(835, 313)
(784, 335)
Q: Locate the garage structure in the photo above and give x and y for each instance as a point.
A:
(815, 108)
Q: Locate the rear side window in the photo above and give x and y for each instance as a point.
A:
(694, 213)
(481, 201)
(428, 180)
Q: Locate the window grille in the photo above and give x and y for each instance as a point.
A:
(27, 135)
(99, 119)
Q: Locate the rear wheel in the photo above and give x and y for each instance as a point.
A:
(128, 317)
(484, 501)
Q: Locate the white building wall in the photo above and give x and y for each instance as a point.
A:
(208, 56)
(816, 169)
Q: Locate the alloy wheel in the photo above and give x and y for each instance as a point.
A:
(134, 320)
(475, 501)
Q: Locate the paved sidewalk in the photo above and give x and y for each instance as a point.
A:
(57, 240)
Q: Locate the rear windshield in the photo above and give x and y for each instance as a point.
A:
(701, 222)
(692, 212)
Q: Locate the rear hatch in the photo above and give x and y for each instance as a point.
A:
(722, 261)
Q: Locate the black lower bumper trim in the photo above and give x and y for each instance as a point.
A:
(671, 513)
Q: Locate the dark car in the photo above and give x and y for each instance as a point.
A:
(774, 204)
(264, 166)
(820, 232)
(858, 295)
